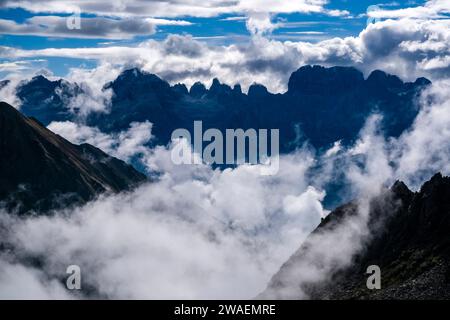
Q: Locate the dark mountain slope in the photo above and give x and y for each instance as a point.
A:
(39, 168)
(410, 242)
(322, 104)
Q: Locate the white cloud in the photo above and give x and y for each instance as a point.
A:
(259, 23)
(8, 91)
(192, 234)
(172, 8)
(135, 14)
(14, 66)
(167, 22)
(234, 18)
(124, 145)
(20, 282)
(56, 26)
(94, 96)
(432, 9)
(424, 149)
(408, 48)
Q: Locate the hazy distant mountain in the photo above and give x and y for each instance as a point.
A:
(40, 170)
(322, 104)
(410, 242)
(47, 100)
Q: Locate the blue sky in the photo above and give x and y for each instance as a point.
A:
(29, 29)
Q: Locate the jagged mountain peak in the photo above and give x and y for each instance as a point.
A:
(134, 75)
(257, 90)
(399, 187)
(330, 104)
(198, 89)
(237, 89)
(180, 88)
(436, 181)
(131, 73)
(319, 79)
(218, 88)
(42, 81)
(383, 79)
(215, 83)
(421, 81)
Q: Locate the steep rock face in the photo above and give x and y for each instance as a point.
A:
(332, 103)
(322, 105)
(40, 170)
(320, 80)
(409, 239)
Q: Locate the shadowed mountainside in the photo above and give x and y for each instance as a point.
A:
(40, 170)
(409, 240)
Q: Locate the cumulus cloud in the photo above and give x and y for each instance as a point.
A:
(56, 26)
(93, 95)
(409, 48)
(424, 149)
(20, 282)
(132, 18)
(259, 23)
(172, 8)
(124, 145)
(190, 235)
(183, 46)
(432, 9)
(8, 90)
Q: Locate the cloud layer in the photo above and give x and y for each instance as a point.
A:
(56, 26)
(409, 48)
(172, 8)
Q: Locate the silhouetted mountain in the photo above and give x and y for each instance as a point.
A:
(47, 100)
(409, 240)
(197, 90)
(40, 170)
(322, 104)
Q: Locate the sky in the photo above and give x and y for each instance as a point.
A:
(184, 41)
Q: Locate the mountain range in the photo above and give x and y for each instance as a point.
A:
(407, 232)
(322, 105)
(40, 170)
